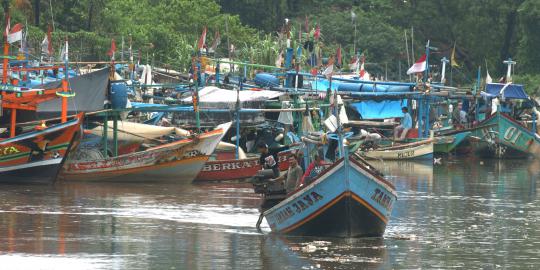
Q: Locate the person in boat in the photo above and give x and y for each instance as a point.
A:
(294, 174)
(315, 168)
(269, 160)
(406, 124)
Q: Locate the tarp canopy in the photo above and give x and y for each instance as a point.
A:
(212, 94)
(511, 91)
(90, 94)
(365, 87)
(379, 110)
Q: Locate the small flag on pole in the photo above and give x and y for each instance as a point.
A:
(488, 78)
(453, 61)
(6, 32)
(65, 51)
(202, 40)
(46, 44)
(354, 63)
(216, 42)
(15, 33)
(112, 51)
(329, 68)
(419, 66)
(317, 33)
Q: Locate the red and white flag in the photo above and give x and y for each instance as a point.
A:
(202, 40)
(329, 71)
(353, 65)
(364, 75)
(216, 42)
(64, 53)
(46, 44)
(419, 66)
(112, 51)
(15, 33)
(6, 32)
(317, 33)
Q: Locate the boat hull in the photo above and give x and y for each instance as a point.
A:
(500, 136)
(419, 152)
(233, 169)
(37, 157)
(450, 146)
(179, 161)
(346, 200)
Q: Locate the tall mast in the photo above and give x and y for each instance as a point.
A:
(5, 64)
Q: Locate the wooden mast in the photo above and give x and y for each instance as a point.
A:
(5, 66)
(65, 86)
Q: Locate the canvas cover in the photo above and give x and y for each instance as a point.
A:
(511, 91)
(379, 110)
(90, 94)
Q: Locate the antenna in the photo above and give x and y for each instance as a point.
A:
(509, 62)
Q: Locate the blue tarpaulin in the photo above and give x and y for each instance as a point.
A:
(512, 91)
(380, 110)
(364, 87)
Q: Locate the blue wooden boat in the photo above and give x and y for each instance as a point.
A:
(348, 199)
(500, 136)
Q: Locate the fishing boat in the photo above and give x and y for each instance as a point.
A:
(421, 150)
(179, 161)
(500, 135)
(450, 142)
(34, 152)
(348, 199)
(223, 166)
(37, 156)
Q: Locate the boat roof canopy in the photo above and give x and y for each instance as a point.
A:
(511, 91)
(212, 94)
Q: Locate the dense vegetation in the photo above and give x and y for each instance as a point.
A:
(165, 31)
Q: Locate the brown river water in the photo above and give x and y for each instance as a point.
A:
(464, 214)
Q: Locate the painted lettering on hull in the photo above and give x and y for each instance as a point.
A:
(235, 165)
(383, 199)
(406, 154)
(512, 134)
(298, 206)
(9, 150)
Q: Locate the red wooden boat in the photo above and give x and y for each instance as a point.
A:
(224, 167)
(179, 161)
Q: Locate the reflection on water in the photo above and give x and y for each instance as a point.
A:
(463, 213)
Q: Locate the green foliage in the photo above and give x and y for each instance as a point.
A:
(485, 32)
(166, 31)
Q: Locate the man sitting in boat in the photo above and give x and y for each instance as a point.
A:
(315, 168)
(269, 161)
(406, 124)
(293, 176)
